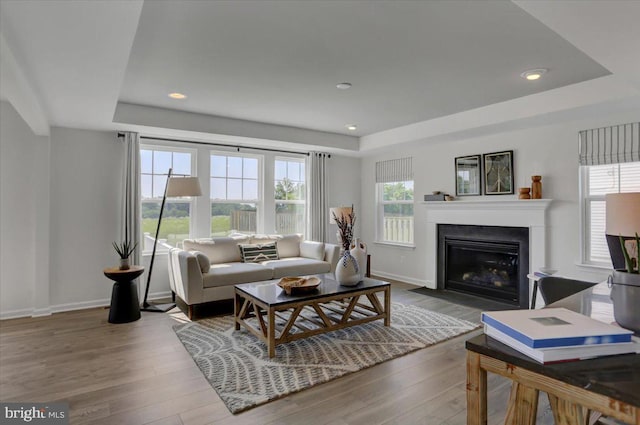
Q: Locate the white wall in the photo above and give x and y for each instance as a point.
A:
(21, 186)
(550, 151)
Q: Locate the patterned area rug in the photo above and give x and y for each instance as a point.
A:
(237, 365)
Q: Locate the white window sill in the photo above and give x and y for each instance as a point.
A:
(395, 244)
(599, 267)
(158, 252)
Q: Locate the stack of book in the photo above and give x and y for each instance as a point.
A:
(557, 335)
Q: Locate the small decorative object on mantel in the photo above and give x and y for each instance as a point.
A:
(498, 173)
(347, 271)
(124, 250)
(536, 187)
(524, 193)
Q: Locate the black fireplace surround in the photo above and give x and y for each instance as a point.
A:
(486, 261)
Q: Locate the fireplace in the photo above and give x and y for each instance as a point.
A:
(486, 261)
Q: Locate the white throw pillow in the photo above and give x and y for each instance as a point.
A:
(289, 246)
(219, 250)
(203, 261)
(314, 250)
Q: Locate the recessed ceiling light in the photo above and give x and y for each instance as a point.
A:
(343, 86)
(351, 127)
(177, 96)
(533, 74)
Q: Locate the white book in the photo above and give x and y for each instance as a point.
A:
(554, 327)
(561, 354)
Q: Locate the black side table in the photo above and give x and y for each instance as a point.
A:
(125, 307)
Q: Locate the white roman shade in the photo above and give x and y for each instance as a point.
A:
(610, 145)
(394, 170)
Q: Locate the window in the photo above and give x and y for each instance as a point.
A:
(597, 181)
(394, 199)
(155, 162)
(395, 212)
(290, 195)
(610, 163)
(235, 193)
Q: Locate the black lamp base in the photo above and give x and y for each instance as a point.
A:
(157, 308)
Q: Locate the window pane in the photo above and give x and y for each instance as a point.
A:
(281, 170)
(603, 179)
(146, 186)
(182, 163)
(398, 191)
(599, 250)
(293, 170)
(249, 189)
(397, 223)
(630, 177)
(218, 188)
(161, 162)
(230, 218)
(146, 163)
(159, 182)
(174, 228)
(250, 168)
(218, 166)
(290, 218)
(234, 166)
(234, 189)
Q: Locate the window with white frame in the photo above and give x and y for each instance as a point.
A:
(394, 198)
(610, 163)
(289, 195)
(155, 162)
(235, 193)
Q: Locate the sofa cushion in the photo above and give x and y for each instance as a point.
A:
(296, 266)
(260, 239)
(218, 250)
(233, 273)
(255, 253)
(203, 261)
(314, 250)
(289, 246)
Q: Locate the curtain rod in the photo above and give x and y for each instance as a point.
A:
(238, 147)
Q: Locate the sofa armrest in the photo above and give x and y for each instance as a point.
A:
(332, 255)
(185, 276)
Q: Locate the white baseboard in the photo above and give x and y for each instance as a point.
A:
(406, 279)
(59, 308)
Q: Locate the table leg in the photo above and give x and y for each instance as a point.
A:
(387, 305)
(523, 405)
(476, 391)
(236, 310)
(271, 331)
(566, 412)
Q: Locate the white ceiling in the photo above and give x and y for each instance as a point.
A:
(270, 67)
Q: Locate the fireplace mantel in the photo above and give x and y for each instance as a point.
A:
(513, 212)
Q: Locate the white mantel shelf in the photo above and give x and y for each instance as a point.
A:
(529, 213)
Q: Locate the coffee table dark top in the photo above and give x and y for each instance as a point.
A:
(271, 294)
(617, 377)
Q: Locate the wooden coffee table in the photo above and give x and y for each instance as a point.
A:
(265, 310)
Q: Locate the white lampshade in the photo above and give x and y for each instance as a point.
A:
(623, 214)
(340, 212)
(183, 186)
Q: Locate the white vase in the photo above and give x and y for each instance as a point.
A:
(358, 251)
(347, 272)
(124, 264)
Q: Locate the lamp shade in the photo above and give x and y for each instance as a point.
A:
(183, 186)
(340, 212)
(623, 214)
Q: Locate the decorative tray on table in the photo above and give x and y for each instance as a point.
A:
(296, 284)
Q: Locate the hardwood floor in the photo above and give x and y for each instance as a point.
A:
(139, 373)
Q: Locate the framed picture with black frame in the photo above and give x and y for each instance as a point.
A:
(498, 173)
(468, 175)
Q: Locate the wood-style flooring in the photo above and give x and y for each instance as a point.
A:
(139, 373)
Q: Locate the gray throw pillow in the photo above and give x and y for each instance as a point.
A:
(255, 253)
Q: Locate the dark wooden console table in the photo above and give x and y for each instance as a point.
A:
(609, 385)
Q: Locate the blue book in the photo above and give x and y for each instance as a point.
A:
(554, 327)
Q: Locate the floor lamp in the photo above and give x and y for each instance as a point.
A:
(175, 187)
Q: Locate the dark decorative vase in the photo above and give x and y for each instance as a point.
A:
(625, 293)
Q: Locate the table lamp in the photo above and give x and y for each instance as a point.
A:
(340, 212)
(623, 219)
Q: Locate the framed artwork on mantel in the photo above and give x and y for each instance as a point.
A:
(498, 173)
(468, 175)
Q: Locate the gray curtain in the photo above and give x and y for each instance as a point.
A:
(318, 209)
(131, 215)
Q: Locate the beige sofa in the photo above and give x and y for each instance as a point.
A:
(205, 270)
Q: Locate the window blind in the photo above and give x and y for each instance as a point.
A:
(394, 170)
(610, 145)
